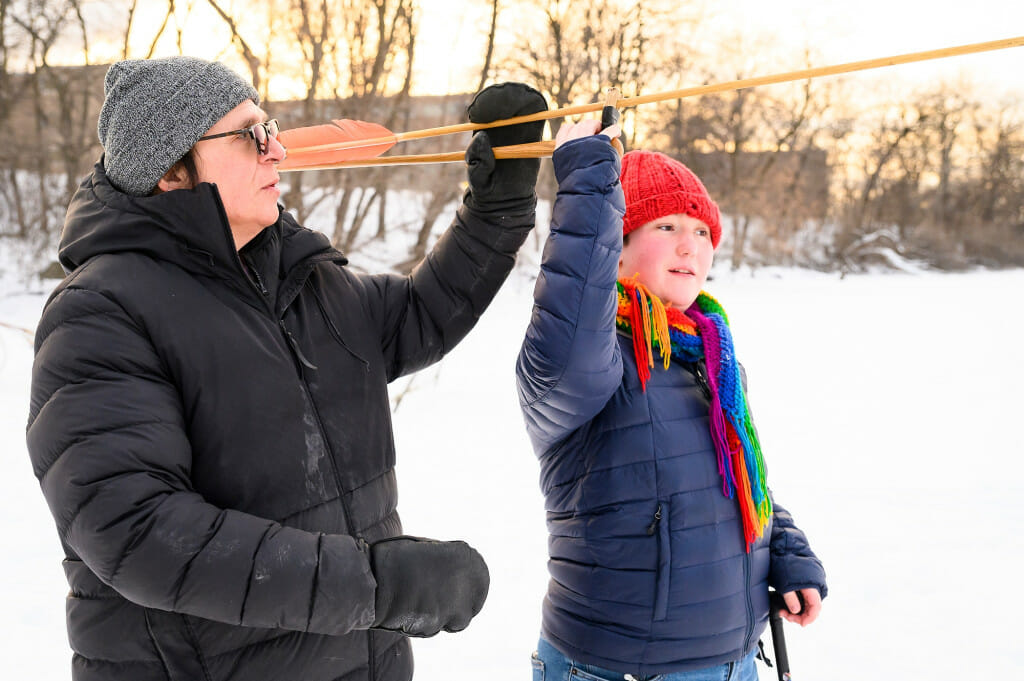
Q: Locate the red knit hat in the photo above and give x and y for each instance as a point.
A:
(656, 185)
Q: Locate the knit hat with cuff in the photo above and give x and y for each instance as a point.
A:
(155, 110)
(656, 185)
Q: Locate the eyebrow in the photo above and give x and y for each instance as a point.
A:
(252, 120)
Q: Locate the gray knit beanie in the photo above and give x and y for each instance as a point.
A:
(155, 111)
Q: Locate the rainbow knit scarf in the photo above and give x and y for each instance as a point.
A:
(702, 333)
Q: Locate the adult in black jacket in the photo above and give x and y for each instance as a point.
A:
(209, 415)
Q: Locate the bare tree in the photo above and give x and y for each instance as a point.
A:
(380, 51)
(50, 108)
(587, 47)
(865, 190)
(755, 149)
(999, 192)
(248, 54)
(489, 52)
(357, 63)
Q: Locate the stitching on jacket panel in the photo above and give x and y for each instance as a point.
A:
(188, 565)
(233, 652)
(125, 550)
(315, 580)
(81, 289)
(252, 571)
(156, 647)
(605, 206)
(194, 640)
(82, 438)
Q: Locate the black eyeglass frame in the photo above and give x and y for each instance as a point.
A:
(261, 149)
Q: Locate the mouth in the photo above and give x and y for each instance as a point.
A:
(682, 270)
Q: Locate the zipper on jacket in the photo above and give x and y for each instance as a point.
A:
(653, 527)
(750, 605)
(294, 344)
(702, 379)
(323, 432)
(257, 279)
(253, 282)
(334, 329)
(346, 511)
(253, 275)
(334, 465)
(663, 575)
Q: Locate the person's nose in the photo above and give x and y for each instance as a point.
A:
(685, 243)
(275, 151)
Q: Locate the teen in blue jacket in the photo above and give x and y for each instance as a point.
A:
(664, 537)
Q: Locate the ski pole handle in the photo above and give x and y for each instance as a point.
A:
(775, 604)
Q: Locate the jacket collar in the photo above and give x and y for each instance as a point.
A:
(187, 227)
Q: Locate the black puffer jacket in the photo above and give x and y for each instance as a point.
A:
(216, 446)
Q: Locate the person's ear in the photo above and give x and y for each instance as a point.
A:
(174, 178)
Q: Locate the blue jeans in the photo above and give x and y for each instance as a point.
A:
(549, 664)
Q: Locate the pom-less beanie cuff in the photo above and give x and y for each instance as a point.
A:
(656, 185)
(155, 110)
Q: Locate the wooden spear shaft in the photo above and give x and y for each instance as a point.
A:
(541, 149)
(625, 102)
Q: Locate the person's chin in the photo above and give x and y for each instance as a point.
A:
(270, 214)
(686, 297)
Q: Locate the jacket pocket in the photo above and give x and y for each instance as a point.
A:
(663, 530)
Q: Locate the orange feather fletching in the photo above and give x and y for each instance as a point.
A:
(340, 140)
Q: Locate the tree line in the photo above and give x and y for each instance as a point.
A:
(812, 173)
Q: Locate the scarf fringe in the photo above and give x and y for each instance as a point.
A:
(702, 334)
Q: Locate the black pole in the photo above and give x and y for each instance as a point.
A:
(775, 604)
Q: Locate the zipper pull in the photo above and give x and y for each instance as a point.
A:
(702, 379)
(654, 523)
(295, 347)
(254, 276)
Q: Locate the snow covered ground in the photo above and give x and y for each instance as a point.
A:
(888, 408)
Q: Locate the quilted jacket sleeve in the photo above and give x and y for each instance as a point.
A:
(422, 316)
(107, 440)
(569, 364)
(793, 564)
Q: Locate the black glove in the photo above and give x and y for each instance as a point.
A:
(507, 185)
(424, 585)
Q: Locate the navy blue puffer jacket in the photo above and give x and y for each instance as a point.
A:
(650, 572)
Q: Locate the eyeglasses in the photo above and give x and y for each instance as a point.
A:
(261, 134)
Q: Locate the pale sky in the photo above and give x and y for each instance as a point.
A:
(865, 29)
(451, 38)
(841, 31)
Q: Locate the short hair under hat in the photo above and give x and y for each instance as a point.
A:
(155, 110)
(656, 185)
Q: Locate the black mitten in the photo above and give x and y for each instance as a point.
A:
(507, 185)
(424, 585)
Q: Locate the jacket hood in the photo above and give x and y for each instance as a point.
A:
(186, 226)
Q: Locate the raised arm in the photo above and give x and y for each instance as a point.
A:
(569, 364)
(424, 315)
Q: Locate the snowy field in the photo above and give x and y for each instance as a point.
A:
(889, 409)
